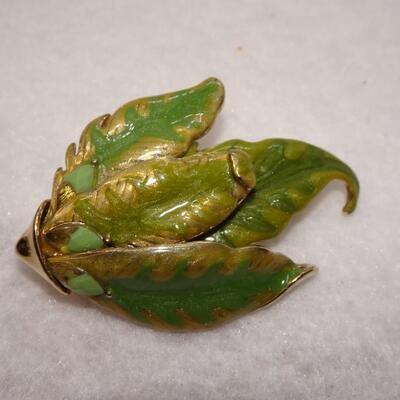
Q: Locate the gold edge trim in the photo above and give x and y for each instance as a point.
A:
(38, 220)
(308, 270)
(34, 258)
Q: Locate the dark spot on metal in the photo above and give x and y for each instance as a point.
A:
(23, 247)
(108, 242)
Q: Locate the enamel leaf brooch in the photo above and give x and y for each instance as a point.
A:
(145, 224)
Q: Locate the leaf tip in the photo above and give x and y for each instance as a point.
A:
(304, 271)
(353, 190)
(215, 81)
(307, 269)
(219, 89)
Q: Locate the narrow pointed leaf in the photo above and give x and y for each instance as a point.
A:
(190, 285)
(289, 175)
(164, 199)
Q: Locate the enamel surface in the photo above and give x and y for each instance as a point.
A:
(179, 286)
(164, 199)
(289, 175)
(82, 178)
(149, 226)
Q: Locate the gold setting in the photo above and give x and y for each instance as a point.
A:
(28, 249)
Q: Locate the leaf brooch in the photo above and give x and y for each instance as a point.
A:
(145, 224)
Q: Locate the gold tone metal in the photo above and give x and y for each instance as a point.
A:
(28, 249)
(150, 228)
(223, 316)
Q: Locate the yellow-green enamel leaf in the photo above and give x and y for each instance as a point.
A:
(163, 200)
(182, 286)
(289, 175)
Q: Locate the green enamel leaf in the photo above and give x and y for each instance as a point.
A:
(158, 125)
(151, 127)
(289, 175)
(188, 285)
(164, 199)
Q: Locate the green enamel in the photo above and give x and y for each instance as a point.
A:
(109, 148)
(200, 296)
(166, 199)
(160, 279)
(82, 178)
(169, 123)
(176, 220)
(83, 239)
(85, 285)
(289, 175)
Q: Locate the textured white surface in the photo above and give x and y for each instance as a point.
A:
(320, 71)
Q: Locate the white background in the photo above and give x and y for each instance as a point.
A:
(327, 72)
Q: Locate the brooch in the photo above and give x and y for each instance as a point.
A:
(147, 225)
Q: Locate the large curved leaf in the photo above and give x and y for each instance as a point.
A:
(289, 175)
(163, 200)
(190, 285)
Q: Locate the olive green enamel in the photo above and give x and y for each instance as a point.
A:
(289, 175)
(164, 199)
(182, 283)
